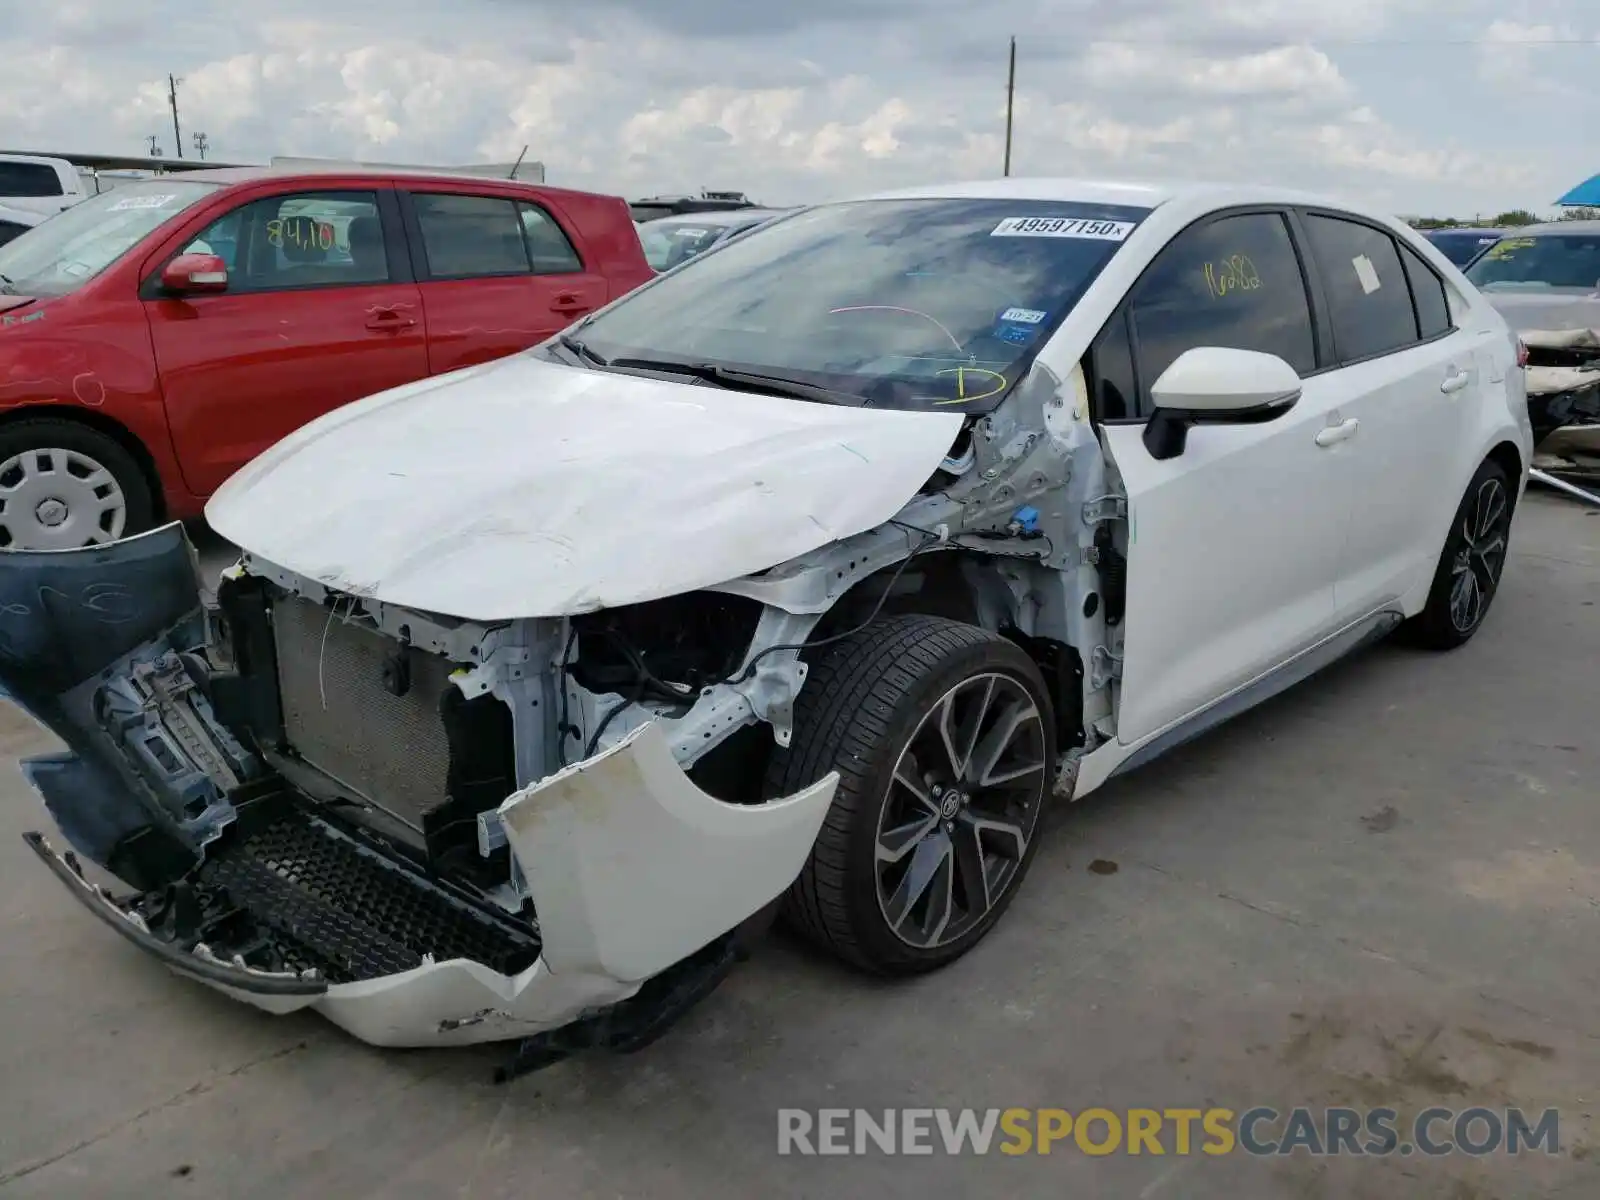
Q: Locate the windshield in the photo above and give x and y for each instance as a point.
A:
(72, 247)
(914, 304)
(1543, 261)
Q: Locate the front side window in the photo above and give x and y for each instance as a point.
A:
(912, 304)
(74, 246)
(1369, 300)
(305, 239)
(469, 237)
(1233, 283)
(1539, 262)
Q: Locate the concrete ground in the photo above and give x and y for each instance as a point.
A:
(1381, 889)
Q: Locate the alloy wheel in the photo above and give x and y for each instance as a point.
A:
(1479, 556)
(962, 806)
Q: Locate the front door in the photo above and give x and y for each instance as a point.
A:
(498, 275)
(1233, 545)
(320, 310)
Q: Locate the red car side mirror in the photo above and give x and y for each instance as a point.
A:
(195, 274)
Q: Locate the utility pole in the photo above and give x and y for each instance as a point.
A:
(200, 144)
(155, 147)
(172, 99)
(1011, 96)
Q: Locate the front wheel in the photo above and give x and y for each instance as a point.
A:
(1474, 557)
(64, 485)
(943, 737)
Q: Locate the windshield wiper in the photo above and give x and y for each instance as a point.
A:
(578, 348)
(731, 377)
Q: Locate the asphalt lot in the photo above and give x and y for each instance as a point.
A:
(1380, 889)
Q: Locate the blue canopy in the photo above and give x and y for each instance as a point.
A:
(1585, 195)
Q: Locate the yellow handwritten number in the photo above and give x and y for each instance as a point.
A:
(1234, 274)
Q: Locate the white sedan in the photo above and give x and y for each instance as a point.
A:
(799, 579)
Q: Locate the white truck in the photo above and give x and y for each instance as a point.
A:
(45, 186)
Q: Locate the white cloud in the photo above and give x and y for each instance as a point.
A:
(797, 104)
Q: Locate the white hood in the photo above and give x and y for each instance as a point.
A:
(524, 488)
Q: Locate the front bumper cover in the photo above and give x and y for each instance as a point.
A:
(631, 868)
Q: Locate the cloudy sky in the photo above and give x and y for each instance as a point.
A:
(1456, 106)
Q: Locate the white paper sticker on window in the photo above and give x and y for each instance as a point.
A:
(1023, 316)
(1063, 227)
(1367, 273)
(128, 202)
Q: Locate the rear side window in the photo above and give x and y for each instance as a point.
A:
(548, 248)
(10, 231)
(469, 237)
(1368, 298)
(29, 179)
(1427, 290)
(1234, 283)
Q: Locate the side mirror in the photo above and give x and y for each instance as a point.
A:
(194, 274)
(1213, 385)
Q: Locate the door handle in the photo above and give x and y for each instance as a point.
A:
(388, 320)
(567, 302)
(1341, 432)
(1455, 382)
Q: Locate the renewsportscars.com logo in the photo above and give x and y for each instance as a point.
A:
(1178, 1131)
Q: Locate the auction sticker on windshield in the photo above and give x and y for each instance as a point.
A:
(128, 202)
(1063, 227)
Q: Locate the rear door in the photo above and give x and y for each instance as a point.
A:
(498, 273)
(1233, 545)
(320, 310)
(1412, 381)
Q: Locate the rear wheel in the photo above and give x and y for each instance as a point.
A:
(1470, 566)
(64, 485)
(943, 738)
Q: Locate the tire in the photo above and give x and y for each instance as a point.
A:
(1470, 565)
(870, 700)
(50, 466)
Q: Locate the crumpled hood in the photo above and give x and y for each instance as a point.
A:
(1547, 309)
(525, 488)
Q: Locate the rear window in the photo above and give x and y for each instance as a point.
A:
(29, 179)
(1461, 248)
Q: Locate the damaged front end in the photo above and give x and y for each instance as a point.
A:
(315, 800)
(1563, 377)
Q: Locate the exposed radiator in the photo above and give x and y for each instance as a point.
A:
(340, 718)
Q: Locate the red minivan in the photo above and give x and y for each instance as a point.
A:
(155, 338)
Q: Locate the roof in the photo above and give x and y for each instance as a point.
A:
(1468, 230)
(1144, 194)
(234, 175)
(1549, 228)
(731, 216)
